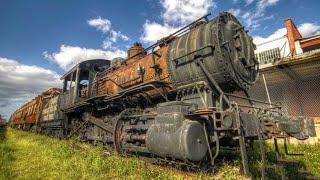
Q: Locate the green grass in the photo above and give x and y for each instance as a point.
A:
(306, 162)
(310, 159)
(25, 155)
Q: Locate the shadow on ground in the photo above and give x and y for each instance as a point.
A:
(290, 169)
(286, 169)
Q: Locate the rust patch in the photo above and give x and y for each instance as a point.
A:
(30, 113)
(135, 71)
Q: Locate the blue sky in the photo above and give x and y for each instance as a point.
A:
(40, 40)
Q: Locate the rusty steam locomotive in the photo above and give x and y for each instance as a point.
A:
(174, 101)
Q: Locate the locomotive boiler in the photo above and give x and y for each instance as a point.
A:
(175, 101)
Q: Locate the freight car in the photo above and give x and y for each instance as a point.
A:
(176, 101)
(51, 120)
(28, 116)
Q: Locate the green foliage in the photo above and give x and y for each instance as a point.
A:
(25, 155)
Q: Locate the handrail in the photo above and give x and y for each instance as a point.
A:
(192, 52)
(168, 38)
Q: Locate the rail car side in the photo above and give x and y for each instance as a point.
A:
(28, 116)
(52, 120)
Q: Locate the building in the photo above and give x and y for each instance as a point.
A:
(290, 73)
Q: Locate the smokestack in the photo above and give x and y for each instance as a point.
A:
(292, 34)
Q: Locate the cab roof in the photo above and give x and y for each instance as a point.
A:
(87, 63)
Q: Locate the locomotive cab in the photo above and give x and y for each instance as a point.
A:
(78, 82)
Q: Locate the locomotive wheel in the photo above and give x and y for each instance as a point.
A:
(118, 136)
(118, 133)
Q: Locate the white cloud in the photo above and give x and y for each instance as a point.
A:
(154, 31)
(115, 35)
(20, 83)
(235, 12)
(68, 56)
(263, 4)
(107, 44)
(100, 24)
(246, 15)
(306, 29)
(277, 34)
(111, 36)
(309, 29)
(254, 17)
(175, 14)
(184, 11)
(248, 2)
